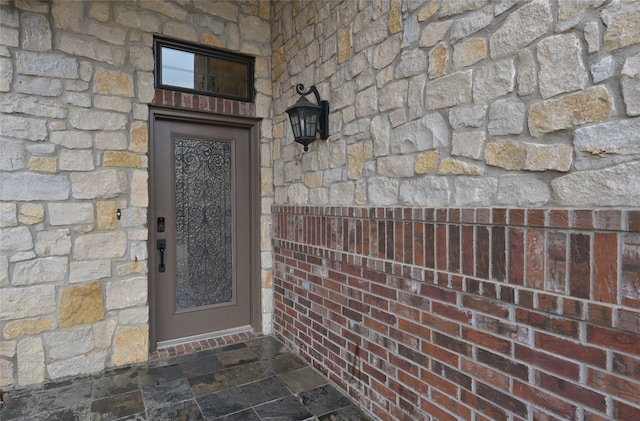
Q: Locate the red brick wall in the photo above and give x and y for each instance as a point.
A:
(462, 313)
(205, 103)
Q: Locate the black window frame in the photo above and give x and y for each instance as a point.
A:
(249, 61)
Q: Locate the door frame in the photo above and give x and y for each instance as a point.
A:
(255, 284)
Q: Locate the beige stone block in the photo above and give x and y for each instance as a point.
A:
(267, 278)
(100, 246)
(106, 215)
(139, 137)
(617, 186)
(77, 45)
(122, 159)
(8, 349)
(225, 9)
(139, 189)
(469, 52)
(6, 373)
(426, 162)
(130, 345)
(70, 213)
(278, 56)
(468, 144)
(452, 166)
(263, 86)
(16, 303)
(342, 193)
(76, 161)
(622, 20)
(134, 316)
(207, 38)
(180, 31)
(252, 28)
(9, 37)
(313, 179)
(266, 179)
(41, 270)
(31, 213)
(506, 154)
(146, 89)
(103, 333)
(99, 11)
(266, 232)
(33, 6)
(98, 184)
(112, 34)
(493, 80)
(434, 33)
(396, 166)
(395, 17)
(53, 243)
(262, 67)
(67, 14)
(6, 74)
(43, 164)
(361, 193)
(265, 9)
(345, 45)
(29, 327)
(355, 159)
(31, 367)
(428, 11)
(166, 8)
(448, 91)
(8, 215)
(16, 239)
(111, 82)
(132, 268)
(438, 58)
(548, 157)
(630, 81)
(592, 105)
(112, 103)
(133, 18)
(81, 305)
(111, 140)
(24, 128)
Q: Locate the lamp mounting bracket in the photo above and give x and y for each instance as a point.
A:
(312, 89)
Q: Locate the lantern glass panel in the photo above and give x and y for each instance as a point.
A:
(311, 123)
(295, 124)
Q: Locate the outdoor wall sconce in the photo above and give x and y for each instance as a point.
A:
(307, 118)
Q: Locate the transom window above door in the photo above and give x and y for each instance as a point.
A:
(191, 68)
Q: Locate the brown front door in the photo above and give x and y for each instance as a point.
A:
(201, 229)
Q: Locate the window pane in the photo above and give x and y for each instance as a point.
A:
(227, 77)
(177, 68)
(210, 72)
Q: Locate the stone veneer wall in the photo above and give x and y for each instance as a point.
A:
(518, 122)
(461, 103)
(449, 313)
(77, 80)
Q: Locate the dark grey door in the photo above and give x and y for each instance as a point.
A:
(201, 232)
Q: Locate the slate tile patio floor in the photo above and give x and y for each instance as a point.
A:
(256, 380)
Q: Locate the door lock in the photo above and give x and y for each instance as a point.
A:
(162, 246)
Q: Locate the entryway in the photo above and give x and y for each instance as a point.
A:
(203, 226)
(256, 380)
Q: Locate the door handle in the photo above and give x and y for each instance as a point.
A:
(162, 246)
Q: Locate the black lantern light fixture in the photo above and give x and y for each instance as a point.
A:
(307, 118)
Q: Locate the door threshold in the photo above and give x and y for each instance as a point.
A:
(204, 337)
